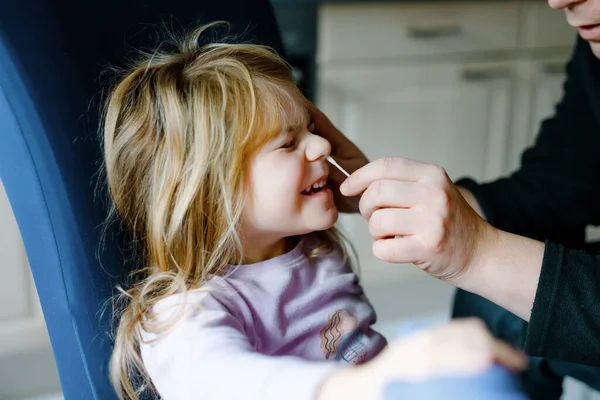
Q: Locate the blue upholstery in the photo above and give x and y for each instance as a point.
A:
(51, 55)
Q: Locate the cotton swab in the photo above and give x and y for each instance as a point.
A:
(335, 164)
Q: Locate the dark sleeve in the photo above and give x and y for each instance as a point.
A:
(552, 197)
(565, 319)
(556, 191)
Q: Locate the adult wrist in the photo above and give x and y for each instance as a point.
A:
(478, 193)
(477, 270)
(505, 270)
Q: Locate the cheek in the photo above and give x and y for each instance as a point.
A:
(276, 180)
(286, 172)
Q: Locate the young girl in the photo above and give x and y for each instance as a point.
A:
(246, 290)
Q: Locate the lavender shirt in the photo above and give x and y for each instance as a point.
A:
(270, 330)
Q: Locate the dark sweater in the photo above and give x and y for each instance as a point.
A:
(552, 197)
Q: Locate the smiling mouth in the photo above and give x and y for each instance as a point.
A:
(316, 187)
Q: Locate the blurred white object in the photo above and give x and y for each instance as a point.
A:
(335, 164)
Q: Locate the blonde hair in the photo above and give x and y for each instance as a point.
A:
(178, 129)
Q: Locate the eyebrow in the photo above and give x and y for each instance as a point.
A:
(293, 128)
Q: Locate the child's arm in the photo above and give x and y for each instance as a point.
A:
(461, 348)
(208, 356)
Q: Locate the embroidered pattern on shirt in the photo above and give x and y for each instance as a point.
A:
(341, 341)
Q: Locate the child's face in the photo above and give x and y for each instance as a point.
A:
(280, 172)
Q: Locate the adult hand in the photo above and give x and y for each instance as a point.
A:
(462, 347)
(416, 214)
(344, 152)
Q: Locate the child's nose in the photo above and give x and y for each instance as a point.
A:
(317, 148)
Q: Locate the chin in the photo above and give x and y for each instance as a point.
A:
(595, 46)
(329, 221)
(324, 222)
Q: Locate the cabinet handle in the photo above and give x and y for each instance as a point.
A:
(434, 32)
(553, 69)
(480, 75)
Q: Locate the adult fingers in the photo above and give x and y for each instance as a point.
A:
(484, 344)
(387, 193)
(391, 222)
(509, 357)
(398, 250)
(394, 168)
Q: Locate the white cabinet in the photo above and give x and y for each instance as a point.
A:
(543, 29)
(546, 91)
(367, 32)
(452, 114)
(538, 88)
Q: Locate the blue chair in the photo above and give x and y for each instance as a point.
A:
(51, 56)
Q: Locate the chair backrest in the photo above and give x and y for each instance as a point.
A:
(51, 56)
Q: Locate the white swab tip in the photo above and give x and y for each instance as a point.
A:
(335, 164)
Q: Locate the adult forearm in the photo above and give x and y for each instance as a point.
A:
(506, 271)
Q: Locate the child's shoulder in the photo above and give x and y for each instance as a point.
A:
(214, 294)
(205, 307)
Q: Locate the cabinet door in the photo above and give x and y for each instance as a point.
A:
(548, 78)
(538, 88)
(26, 362)
(351, 32)
(543, 28)
(455, 115)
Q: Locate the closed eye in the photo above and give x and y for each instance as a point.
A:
(289, 145)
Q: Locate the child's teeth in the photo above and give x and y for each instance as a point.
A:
(316, 185)
(319, 184)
